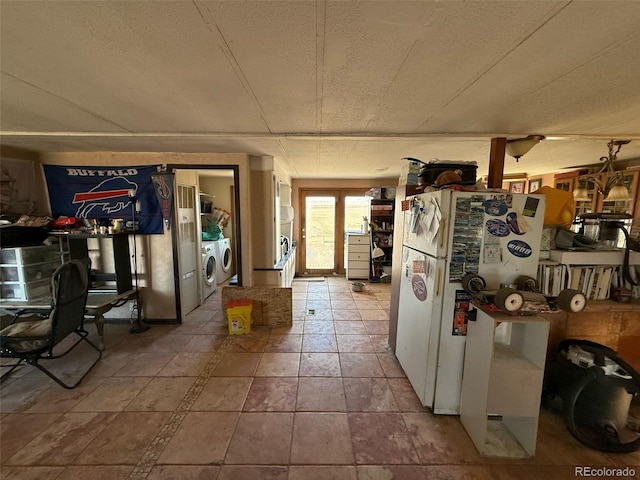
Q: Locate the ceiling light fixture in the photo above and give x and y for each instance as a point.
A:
(520, 146)
(610, 186)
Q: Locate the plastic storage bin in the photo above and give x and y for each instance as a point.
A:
(25, 272)
(239, 316)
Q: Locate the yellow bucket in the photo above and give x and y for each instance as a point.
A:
(239, 316)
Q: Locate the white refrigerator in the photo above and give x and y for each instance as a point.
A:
(447, 234)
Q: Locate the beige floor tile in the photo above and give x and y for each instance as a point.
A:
(390, 365)
(204, 343)
(272, 394)
(18, 395)
(369, 395)
(18, 429)
(367, 305)
(433, 437)
(284, 343)
(320, 394)
(360, 365)
(182, 472)
(376, 327)
(315, 302)
(222, 394)
(62, 441)
(232, 472)
(343, 304)
(251, 342)
(145, 364)
(341, 295)
(31, 473)
(261, 439)
(296, 327)
(374, 314)
(201, 439)
(57, 399)
(405, 396)
(339, 285)
(278, 365)
(185, 364)
(161, 394)
(322, 473)
(97, 472)
(171, 342)
(380, 342)
(340, 315)
(319, 315)
(400, 472)
(299, 303)
(319, 343)
(381, 438)
(319, 365)
(124, 439)
(321, 438)
(318, 327)
(236, 364)
(354, 343)
(112, 395)
(349, 327)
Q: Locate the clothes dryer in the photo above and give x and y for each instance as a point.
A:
(209, 268)
(224, 258)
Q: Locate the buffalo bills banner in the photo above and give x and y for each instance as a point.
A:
(105, 193)
(163, 182)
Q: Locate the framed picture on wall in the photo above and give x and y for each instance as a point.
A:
(516, 187)
(534, 184)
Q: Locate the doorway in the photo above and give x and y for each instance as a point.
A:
(326, 218)
(191, 207)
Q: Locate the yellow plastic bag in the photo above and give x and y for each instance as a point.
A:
(561, 207)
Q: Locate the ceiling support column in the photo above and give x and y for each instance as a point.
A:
(496, 162)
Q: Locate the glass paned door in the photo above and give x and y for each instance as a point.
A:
(320, 226)
(326, 218)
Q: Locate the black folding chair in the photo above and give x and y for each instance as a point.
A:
(33, 338)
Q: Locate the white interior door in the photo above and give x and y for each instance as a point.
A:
(188, 247)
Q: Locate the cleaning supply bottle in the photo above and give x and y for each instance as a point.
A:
(364, 227)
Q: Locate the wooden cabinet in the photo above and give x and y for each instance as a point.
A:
(381, 219)
(358, 256)
(567, 181)
(502, 382)
(596, 203)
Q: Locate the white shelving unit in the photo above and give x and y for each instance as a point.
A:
(358, 256)
(502, 383)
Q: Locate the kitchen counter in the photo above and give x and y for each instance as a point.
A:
(281, 274)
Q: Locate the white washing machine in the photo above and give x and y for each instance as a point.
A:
(209, 268)
(224, 259)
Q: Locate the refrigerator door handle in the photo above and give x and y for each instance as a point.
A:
(438, 275)
(443, 230)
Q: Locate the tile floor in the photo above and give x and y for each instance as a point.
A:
(322, 400)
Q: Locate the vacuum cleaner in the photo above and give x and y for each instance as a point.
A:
(598, 394)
